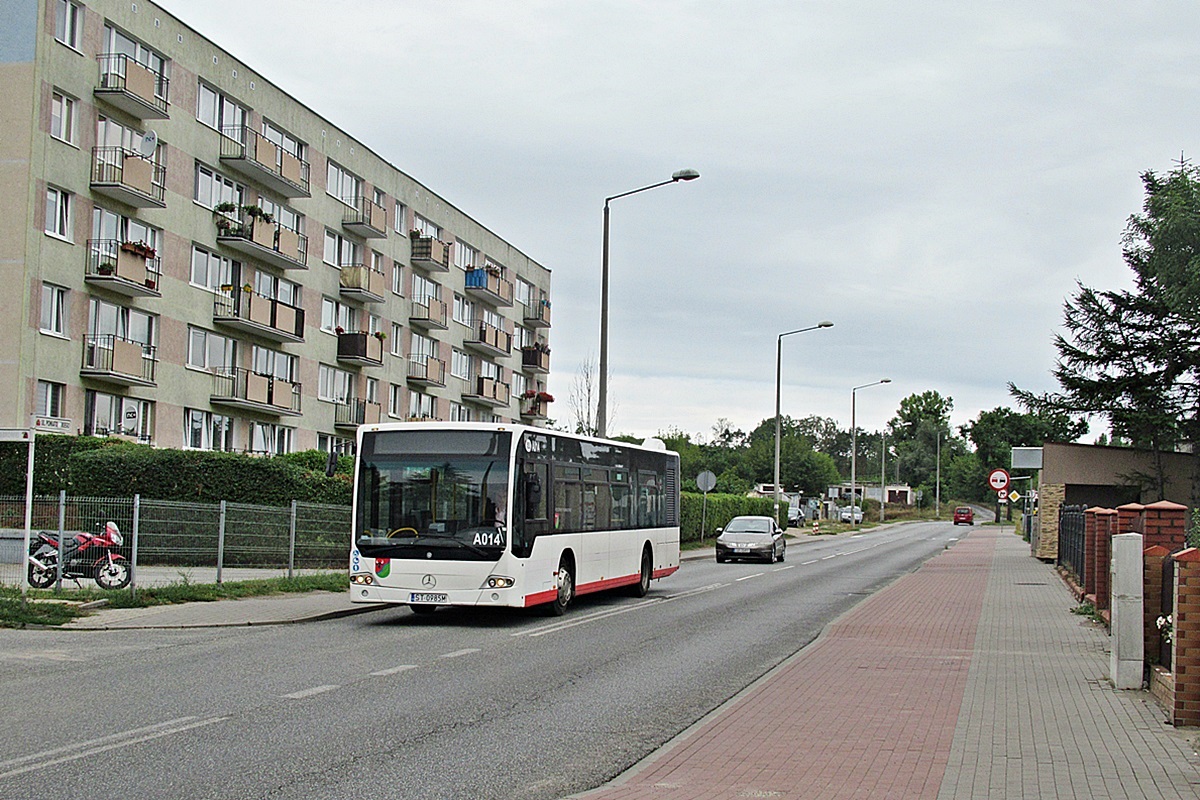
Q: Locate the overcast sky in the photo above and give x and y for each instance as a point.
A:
(932, 177)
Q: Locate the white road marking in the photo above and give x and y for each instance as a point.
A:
(781, 569)
(826, 558)
(806, 563)
(394, 670)
(748, 577)
(303, 693)
(93, 747)
(457, 653)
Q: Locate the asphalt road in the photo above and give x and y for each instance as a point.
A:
(459, 704)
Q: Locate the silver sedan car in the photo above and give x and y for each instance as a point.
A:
(757, 538)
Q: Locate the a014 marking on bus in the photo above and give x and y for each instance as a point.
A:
(489, 538)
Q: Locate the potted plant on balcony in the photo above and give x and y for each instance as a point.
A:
(380, 335)
(139, 248)
(257, 213)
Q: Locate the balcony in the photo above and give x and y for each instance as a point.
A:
(534, 405)
(432, 255)
(426, 371)
(355, 412)
(128, 268)
(263, 240)
(132, 87)
(255, 313)
(360, 348)
(360, 282)
(116, 360)
(489, 340)
(489, 287)
(430, 314)
(252, 155)
(535, 359)
(128, 178)
(365, 218)
(488, 392)
(537, 314)
(241, 388)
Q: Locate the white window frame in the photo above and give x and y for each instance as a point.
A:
(459, 412)
(67, 23)
(210, 351)
(215, 431)
(336, 314)
(400, 219)
(54, 310)
(421, 405)
(395, 400)
(59, 218)
(51, 399)
(342, 184)
(217, 270)
(222, 111)
(63, 111)
(397, 332)
(460, 364)
(426, 227)
(275, 439)
(465, 256)
(334, 385)
(343, 251)
(212, 188)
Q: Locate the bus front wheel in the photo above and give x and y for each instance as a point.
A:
(566, 588)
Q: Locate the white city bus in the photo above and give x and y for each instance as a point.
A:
(483, 514)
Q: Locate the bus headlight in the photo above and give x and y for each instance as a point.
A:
(498, 582)
(363, 578)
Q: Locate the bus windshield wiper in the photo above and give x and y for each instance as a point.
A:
(479, 551)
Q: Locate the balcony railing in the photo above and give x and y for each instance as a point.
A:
(361, 348)
(243, 388)
(356, 412)
(129, 268)
(489, 287)
(488, 391)
(430, 254)
(429, 313)
(255, 313)
(117, 360)
(427, 370)
(535, 359)
(360, 282)
(365, 218)
(132, 86)
(269, 242)
(246, 151)
(490, 340)
(537, 314)
(126, 177)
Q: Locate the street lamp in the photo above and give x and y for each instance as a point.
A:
(854, 441)
(778, 364)
(602, 404)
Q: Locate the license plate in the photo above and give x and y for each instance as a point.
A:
(427, 597)
(741, 549)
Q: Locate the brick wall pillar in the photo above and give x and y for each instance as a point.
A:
(1089, 555)
(1106, 524)
(1185, 654)
(1152, 570)
(1129, 518)
(1165, 523)
(1050, 499)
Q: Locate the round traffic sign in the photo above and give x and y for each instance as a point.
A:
(998, 479)
(706, 481)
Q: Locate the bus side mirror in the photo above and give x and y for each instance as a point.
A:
(533, 496)
(331, 464)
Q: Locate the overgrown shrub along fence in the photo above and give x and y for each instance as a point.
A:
(721, 509)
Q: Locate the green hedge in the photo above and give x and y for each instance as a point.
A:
(721, 509)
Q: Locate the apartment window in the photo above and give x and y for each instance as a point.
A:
(426, 228)
(520, 384)
(113, 415)
(459, 412)
(523, 337)
(372, 390)
(109, 319)
(288, 218)
(272, 439)
(50, 399)
(424, 290)
(336, 315)
(266, 361)
(397, 279)
(465, 256)
(422, 347)
(285, 140)
(380, 199)
(334, 385)
(335, 444)
(54, 309)
(395, 400)
(213, 188)
(460, 364)
(340, 251)
(487, 369)
(58, 213)
(203, 430)
(216, 110)
(397, 330)
(464, 311)
(342, 184)
(523, 292)
(210, 351)
(68, 21)
(285, 291)
(211, 271)
(117, 43)
(62, 117)
(421, 406)
(400, 219)
(491, 318)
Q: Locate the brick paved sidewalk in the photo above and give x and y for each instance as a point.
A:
(934, 687)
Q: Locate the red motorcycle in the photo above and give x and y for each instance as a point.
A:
(85, 555)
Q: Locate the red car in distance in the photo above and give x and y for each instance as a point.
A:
(964, 515)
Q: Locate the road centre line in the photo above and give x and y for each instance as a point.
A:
(303, 693)
(826, 558)
(748, 577)
(393, 670)
(781, 569)
(458, 653)
(580, 619)
(806, 563)
(93, 747)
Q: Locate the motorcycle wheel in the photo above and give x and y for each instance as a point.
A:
(41, 578)
(113, 575)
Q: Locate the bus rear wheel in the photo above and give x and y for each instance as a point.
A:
(566, 588)
(642, 587)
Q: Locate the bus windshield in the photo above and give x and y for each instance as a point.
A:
(433, 494)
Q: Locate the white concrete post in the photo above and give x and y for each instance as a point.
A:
(1126, 662)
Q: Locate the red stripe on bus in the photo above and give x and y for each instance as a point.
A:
(662, 573)
(597, 586)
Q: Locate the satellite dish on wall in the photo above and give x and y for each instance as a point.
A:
(149, 144)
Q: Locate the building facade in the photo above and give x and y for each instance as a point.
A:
(195, 259)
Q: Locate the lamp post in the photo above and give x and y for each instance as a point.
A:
(854, 442)
(882, 475)
(778, 366)
(602, 403)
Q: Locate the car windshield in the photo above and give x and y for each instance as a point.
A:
(748, 526)
(439, 494)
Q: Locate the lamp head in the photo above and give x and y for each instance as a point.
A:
(824, 324)
(685, 175)
(886, 380)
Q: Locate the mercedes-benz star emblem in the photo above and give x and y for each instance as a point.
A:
(429, 581)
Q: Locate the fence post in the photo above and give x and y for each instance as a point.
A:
(1152, 598)
(62, 517)
(133, 554)
(1185, 638)
(1127, 658)
(292, 543)
(221, 543)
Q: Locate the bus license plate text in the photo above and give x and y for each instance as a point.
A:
(427, 597)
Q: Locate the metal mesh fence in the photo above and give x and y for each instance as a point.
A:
(185, 540)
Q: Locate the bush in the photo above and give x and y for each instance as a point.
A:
(721, 509)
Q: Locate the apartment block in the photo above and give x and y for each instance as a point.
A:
(194, 259)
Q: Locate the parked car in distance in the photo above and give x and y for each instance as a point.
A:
(795, 515)
(964, 515)
(844, 514)
(757, 538)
